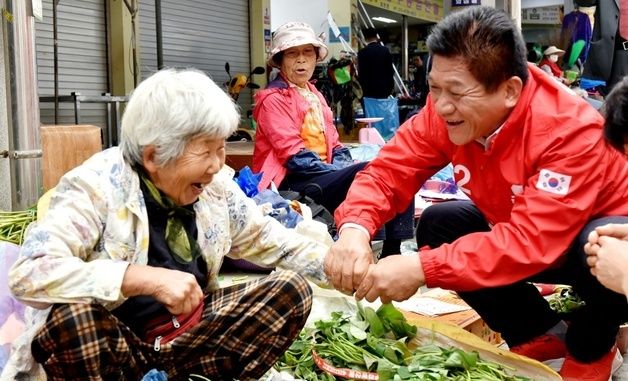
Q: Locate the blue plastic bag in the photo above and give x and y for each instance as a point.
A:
(281, 210)
(384, 108)
(248, 181)
(155, 375)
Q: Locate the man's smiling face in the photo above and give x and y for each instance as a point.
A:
(469, 110)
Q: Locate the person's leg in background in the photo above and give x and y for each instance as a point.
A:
(400, 228)
(329, 190)
(593, 328)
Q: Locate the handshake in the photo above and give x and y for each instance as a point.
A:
(351, 269)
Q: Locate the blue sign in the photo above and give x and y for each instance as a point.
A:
(344, 32)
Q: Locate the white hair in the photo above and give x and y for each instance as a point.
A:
(170, 108)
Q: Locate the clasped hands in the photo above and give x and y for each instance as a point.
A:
(350, 267)
(607, 255)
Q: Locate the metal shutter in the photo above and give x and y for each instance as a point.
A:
(200, 34)
(82, 55)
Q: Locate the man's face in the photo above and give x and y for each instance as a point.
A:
(469, 111)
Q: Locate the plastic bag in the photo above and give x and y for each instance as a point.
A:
(155, 375)
(364, 152)
(274, 205)
(11, 311)
(248, 181)
(384, 108)
(318, 211)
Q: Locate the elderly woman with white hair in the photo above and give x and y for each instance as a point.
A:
(122, 269)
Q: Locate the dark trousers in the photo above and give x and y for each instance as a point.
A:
(331, 189)
(518, 311)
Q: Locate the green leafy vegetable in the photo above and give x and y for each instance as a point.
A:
(377, 341)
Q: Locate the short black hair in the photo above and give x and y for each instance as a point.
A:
(487, 40)
(369, 33)
(616, 112)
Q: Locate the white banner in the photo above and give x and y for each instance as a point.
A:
(545, 15)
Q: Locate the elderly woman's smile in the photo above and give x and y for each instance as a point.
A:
(184, 179)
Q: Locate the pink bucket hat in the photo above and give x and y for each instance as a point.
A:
(293, 34)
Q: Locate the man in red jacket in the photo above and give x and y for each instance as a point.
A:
(532, 159)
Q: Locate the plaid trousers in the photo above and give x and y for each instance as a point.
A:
(243, 330)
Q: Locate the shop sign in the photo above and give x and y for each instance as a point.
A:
(465, 3)
(428, 10)
(544, 15)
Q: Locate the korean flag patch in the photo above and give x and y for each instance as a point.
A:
(553, 182)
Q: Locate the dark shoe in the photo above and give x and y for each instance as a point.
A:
(598, 370)
(542, 348)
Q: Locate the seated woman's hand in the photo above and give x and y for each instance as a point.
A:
(348, 260)
(178, 291)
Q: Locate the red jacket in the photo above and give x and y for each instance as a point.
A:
(279, 113)
(549, 130)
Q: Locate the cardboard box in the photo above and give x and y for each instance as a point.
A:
(469, 319)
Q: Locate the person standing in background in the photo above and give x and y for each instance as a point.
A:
(608, 56)
(376, 76)
(375, 70)
(420, 80)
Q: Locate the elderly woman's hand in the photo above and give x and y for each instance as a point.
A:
(348, 260)
(178, 291)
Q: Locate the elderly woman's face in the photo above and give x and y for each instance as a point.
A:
(183, 181)
(298, 64)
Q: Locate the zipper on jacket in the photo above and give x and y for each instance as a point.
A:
(175, 322)
(157, 346)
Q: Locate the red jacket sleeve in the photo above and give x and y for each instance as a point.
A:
(390, 181)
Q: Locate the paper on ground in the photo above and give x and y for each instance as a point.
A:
(429, 306)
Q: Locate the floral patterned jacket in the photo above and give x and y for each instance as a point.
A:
(97, 225)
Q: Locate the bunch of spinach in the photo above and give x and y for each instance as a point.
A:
(377, 341)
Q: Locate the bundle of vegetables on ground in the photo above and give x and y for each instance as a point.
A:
(564, 300)
(379, 342)
(13, 224)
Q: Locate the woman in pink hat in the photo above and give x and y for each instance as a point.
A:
(296, 145)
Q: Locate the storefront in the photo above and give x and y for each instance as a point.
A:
(405, 27)
(82, 58)
(200, 34)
